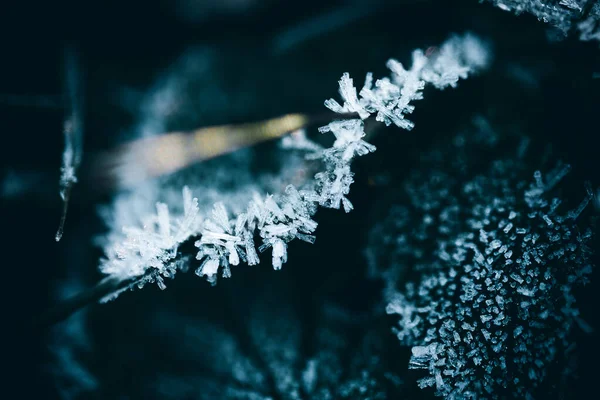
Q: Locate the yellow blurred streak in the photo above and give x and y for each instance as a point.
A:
(151, 157)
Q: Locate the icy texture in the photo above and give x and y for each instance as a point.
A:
(225, 235)
(143, 214)
(154, 244)
(565, 15)
(480, 263)
(298, 141)
(390, 98)
(69, 161)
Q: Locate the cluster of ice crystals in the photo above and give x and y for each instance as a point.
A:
(297, 140)
(481, 268)
(154, 244)
(226, 238)
(390, 98)
(562, 14)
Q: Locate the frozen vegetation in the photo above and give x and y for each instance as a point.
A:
(480, 261)
(73, 134)
(232, 226)
(579, 16)
(479, 257)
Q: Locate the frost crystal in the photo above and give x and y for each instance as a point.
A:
(565, 15)
(480, 265)
(390, 98)
(226, 236)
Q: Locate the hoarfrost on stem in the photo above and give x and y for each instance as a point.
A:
(226, 237)
(73, 134)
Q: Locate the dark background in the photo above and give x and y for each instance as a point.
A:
(545, 87)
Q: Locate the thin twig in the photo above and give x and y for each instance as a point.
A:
(73, 132)
(81, 300)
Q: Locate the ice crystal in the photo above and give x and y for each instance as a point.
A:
(480, 265)
(565, 15)
(390, 98)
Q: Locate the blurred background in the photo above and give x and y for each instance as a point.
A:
(240, 61)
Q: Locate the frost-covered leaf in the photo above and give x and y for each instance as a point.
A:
(480, 263)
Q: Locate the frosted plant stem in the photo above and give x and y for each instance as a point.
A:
(63, 216)
(73, 132)
(225, 237)
(153, 251)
